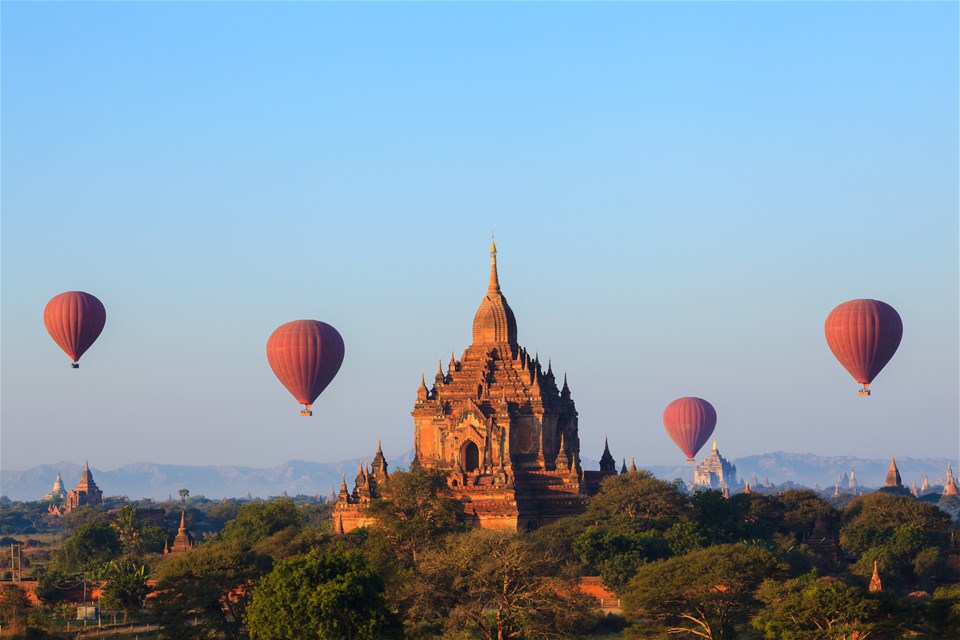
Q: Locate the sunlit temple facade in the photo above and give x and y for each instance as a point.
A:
(501, 426)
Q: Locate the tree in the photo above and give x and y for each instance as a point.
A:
(815, 608)
(259, 520)
(636, 502)
(905, 537)
(329, 595)
(943, 616)
(497, 585)
(126, 587)
(184, 494)
(705, 593)
(90, 546)
(203, 593)
(618, 555)
(417, 510)
(14, 608)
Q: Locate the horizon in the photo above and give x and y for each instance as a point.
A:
(773, 469)
(680, 193)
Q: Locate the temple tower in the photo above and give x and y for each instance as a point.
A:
(893, 475)
(503, 428)
(86, 491)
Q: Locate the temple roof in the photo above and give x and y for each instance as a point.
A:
(86, 479)
(494, 322)
(893, 475)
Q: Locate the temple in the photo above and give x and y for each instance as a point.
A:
(715, 471)
(950, 484)
(86, 493)
(893, 475)
(57, 493)
(183, 542)
(500, 425)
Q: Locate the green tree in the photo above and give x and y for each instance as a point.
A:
(418, 510)
(943, 614)
(616, 556)
(636, 502)
(259, 520)
(184, 494)
(498, 586)
(330, 595)
(203, 593)
(126, 586)
(90, 546)
(815, 608)
(705, 593)
(904, 536)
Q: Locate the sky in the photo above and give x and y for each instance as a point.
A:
(680, 192)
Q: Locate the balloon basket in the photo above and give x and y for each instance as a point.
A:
(306, 412)
(691, 461)
(75, 365)
(863, 392)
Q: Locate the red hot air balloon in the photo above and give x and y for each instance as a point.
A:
(74, 320)
(863, 335)
(690, 422)
(305, 355)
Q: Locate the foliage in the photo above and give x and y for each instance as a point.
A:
(259, 520)
(203, 593)
(14, 607)
(637, 502)
(618, 555)
(52, 585)
(943, 618)
(331, 595)
(418, 510)
(705, 593)
(905, 537)
(90, 546)
(815, 608)
(496, 585)
(126, 586)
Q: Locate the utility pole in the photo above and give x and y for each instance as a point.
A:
(16, 559)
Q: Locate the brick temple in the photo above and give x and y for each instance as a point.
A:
(500, 425)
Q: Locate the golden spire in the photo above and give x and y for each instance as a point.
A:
(714, 444)
(875, 583)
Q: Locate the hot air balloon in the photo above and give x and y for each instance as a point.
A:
(690, 422)
(863, 335)
(305, 355)
(74, 320)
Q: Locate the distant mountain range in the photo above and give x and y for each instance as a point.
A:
(160, 481)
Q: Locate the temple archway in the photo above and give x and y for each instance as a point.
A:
(470, 457)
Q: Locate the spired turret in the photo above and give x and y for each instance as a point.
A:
(950, 485)
(893, 475)
(607, 463)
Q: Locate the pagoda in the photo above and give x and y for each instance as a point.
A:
(183, 542)
(86, 492)
(715, 471)
(500, 426)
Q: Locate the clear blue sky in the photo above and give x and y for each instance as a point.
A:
(681, 193)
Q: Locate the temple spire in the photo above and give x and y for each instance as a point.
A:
(875, 583)
(494, 286)
(893, 474)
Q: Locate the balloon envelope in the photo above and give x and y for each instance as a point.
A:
(863, 335)
(690, 423)
(305, 355)
(74, 319)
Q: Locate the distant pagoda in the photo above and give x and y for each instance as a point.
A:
(893, 475)
(715, 471)
(86, 492)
